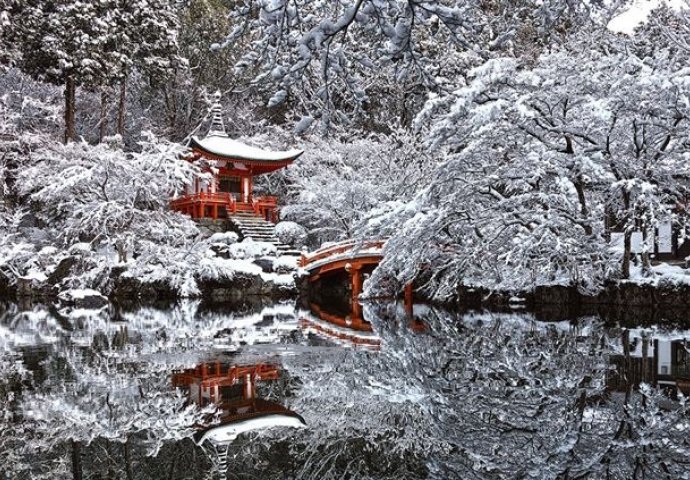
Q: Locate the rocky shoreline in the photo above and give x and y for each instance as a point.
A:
(125, 289)
(621, 302)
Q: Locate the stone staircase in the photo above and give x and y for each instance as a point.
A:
(248, 225)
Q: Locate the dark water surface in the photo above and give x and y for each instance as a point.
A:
(187, 392)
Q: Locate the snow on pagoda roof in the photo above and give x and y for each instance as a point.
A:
(223, 146)
(227, 433)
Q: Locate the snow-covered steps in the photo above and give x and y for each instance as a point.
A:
(249, 225)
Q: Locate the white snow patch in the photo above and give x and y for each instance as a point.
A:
(638, 13)
(227, 238)
(80, 293)
(226, 147)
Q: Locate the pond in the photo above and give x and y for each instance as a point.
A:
(278, 391)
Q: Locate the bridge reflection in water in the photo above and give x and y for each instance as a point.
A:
(232, 389)
(351, 329)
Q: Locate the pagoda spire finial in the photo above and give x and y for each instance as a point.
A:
(217, 125)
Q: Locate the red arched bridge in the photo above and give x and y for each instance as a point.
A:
(350, 256)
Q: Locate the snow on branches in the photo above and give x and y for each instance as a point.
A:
(543, 162)
(335, 59)
(107, 196)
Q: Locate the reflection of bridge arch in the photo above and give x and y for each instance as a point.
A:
(351, 329)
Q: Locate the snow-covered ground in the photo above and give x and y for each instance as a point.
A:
(661, 274)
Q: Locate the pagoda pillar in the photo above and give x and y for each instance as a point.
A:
(245, 189)
(248, 387)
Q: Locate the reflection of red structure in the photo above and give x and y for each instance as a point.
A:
(352, 329)
(207, 381)
(232, 388)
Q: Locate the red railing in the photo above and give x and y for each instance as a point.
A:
(338, 249)
(216, 373)
(266, 207)
(263, 206)
(218, 198)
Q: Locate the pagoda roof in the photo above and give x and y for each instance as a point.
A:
(220, 146)
(261, 414)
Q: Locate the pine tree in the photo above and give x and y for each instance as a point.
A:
(92, 44)
(150, 31)
(68, 43)
(9, 52)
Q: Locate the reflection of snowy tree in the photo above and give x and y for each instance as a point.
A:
(479, 396)
(12, 375)
(488, 396)
(111, 397)
(103, 396)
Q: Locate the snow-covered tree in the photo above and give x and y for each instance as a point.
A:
(76, 43)
(66, 42)
(332, 60)
(334, 185)
(110, 197)
(538, 158)
(9, 51)
(150, 31)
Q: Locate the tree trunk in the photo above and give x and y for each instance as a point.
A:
(103, 123)
(584, 211)
(70, 93)
(645, 361)
(121, 109)
(625, 340)
(627, 252)
(77, 473)
(128, 462)
(121, 252)
(646, 257)
(627, 236)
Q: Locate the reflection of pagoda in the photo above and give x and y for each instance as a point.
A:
(232, 388)
(661, 362)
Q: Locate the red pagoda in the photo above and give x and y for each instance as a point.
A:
(233, 166)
